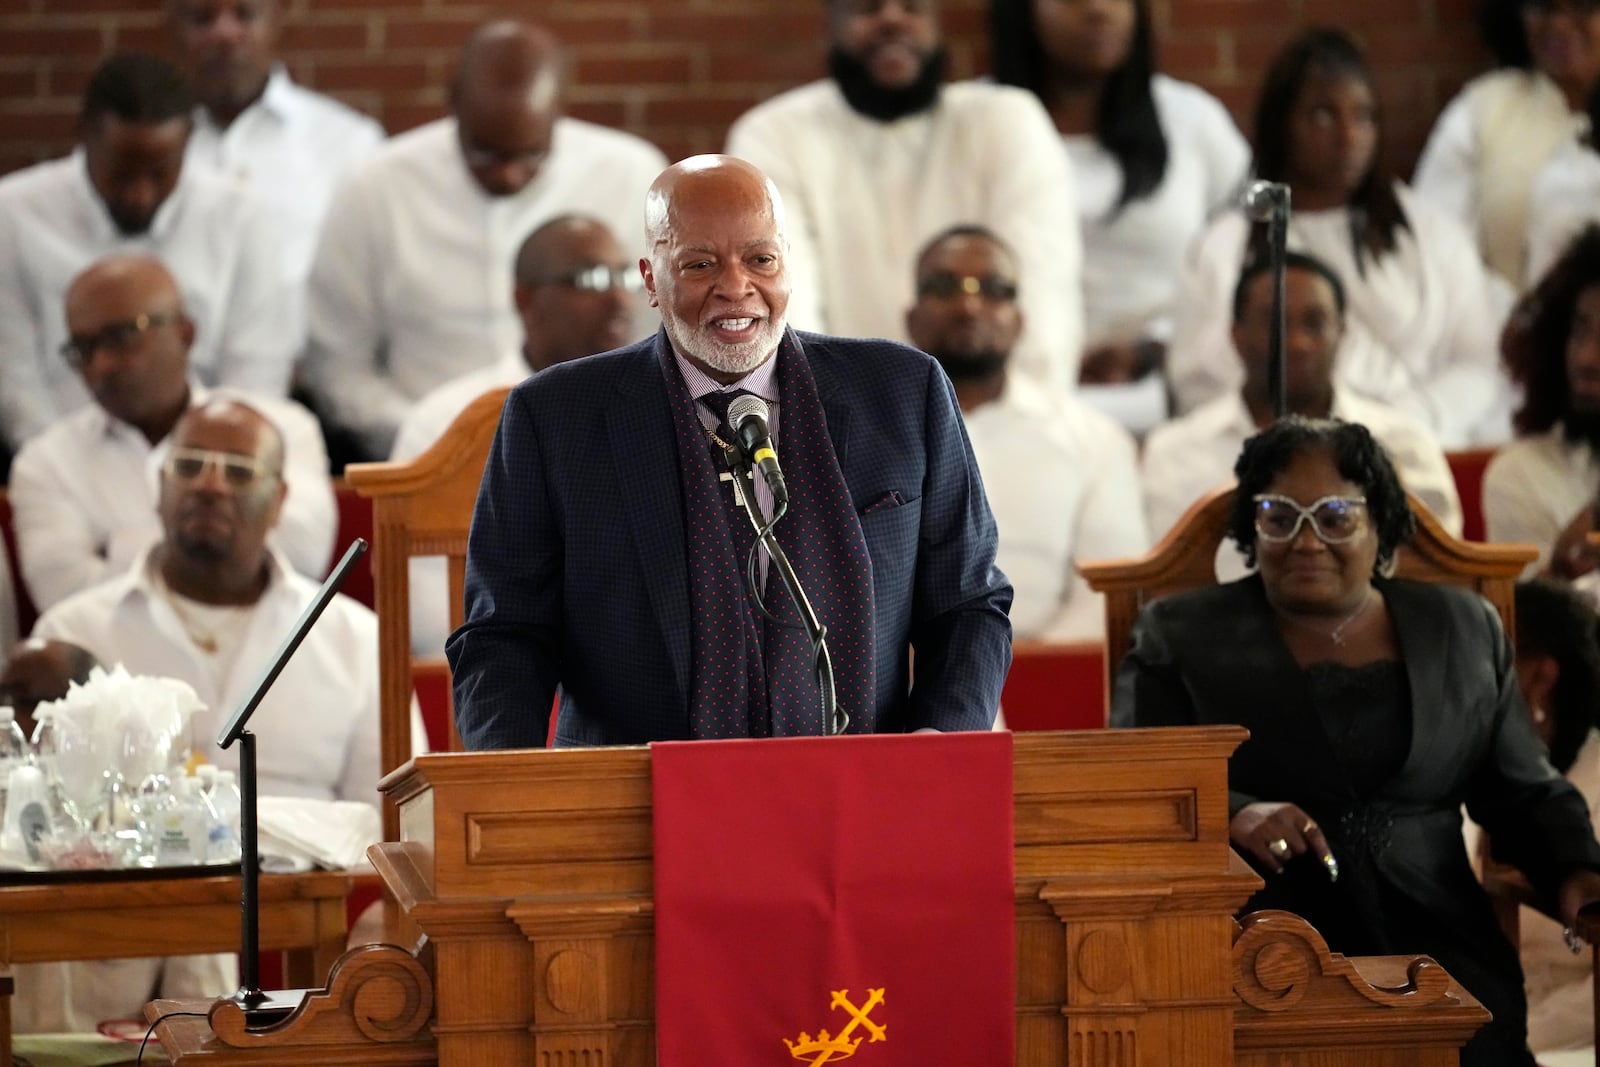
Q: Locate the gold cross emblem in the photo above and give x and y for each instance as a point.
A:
(822, 1048)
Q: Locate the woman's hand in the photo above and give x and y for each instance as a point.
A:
(1580, 889)
(1275, 832)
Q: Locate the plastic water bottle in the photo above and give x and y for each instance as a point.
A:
(181, 826)
(14, 750)
(226, 802)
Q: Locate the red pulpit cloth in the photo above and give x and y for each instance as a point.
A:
(819, 899)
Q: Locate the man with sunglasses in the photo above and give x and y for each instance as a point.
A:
(126, 189)
(81, 491)
(408, 288)
(576, 294)
(1061, 477)
(209, 603)
(1194, 454)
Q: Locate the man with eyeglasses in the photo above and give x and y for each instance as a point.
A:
(81, 491)
(576, 294)
(126, 189)
(875, 159)
(408, 288)
(209, 603)
(1189, 456)
(1061, 477)
(256, 126)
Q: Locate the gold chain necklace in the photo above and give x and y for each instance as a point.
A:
(1336, 635)
(204, 639)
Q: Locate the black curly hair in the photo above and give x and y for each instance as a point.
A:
(1356, 454)
(1534, 347)
(1555, 621)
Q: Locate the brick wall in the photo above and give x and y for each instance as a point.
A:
(678, 71)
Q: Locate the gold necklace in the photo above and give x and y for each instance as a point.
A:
(1336, 635)
(203, 639)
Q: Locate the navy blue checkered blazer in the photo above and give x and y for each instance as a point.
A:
(577, 574)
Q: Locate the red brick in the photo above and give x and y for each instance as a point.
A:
(613, 113)
(46, 41)
(400, 118)
(444, 31)
(613, 69)
(792, 65)
(581, 28)
(385, 76)
(324, 36)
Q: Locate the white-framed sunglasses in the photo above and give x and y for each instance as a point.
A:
(236, 471)
(1334, 519)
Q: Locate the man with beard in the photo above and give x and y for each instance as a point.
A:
(126, 189)
(875, 160)
(256, 126)
(408, 289)
(82, 490)
(576, 293)
(607, 555)
(1542, 489)
(1190, 456)
(209, 604)
(1063, 478)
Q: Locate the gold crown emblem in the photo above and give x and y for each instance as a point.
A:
(824, 1047)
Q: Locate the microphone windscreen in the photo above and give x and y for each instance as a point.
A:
(745, 406)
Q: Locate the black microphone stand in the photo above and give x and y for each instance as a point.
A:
(1277, 256)
(834, 718)
(265, 1008)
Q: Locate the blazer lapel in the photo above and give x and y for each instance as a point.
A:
(645, 455)
(1425, 651)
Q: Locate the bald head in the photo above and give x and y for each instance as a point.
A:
(576, 291)
(131, 338)
(700, 182)
(39, 670)
(716, 268)
(506, 96)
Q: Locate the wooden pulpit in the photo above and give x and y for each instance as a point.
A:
(525, 881)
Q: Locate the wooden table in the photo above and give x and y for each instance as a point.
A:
(162, 915)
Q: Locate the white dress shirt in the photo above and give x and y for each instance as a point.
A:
(1566, 198)
(1421, 332)
(1192, 455)
(1481, 158)
(83, 496)
(423, 425)
(412, 281)
(291, 147)
(1063, 483)
(862, 197)
(316, 729)
(1534, 487)
(219, 242)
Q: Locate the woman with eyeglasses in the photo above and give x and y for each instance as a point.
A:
(1491, 141)
(1376, 709)
(1422, 319)
(1152, 159)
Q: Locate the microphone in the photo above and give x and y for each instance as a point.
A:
(1261, 199)
(747, 417)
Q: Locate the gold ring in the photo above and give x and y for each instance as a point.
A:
(1311, 824)
(1279, 848)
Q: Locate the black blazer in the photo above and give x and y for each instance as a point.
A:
(577, 570)
(1217, 656)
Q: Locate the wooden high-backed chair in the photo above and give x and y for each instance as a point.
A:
(420, 508)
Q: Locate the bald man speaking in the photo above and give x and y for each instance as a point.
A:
(607, 559)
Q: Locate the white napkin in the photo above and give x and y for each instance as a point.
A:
(295, 833)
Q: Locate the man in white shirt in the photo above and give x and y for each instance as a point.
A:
(408, 290)
(1061, 477)
(877, 159)
(1542, 488)
(126, 189)
(256, 126)
(1192, 455)
(574, 289)
(82, 490)
(209, 604)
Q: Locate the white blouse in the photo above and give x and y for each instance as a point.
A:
(1421, 333)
